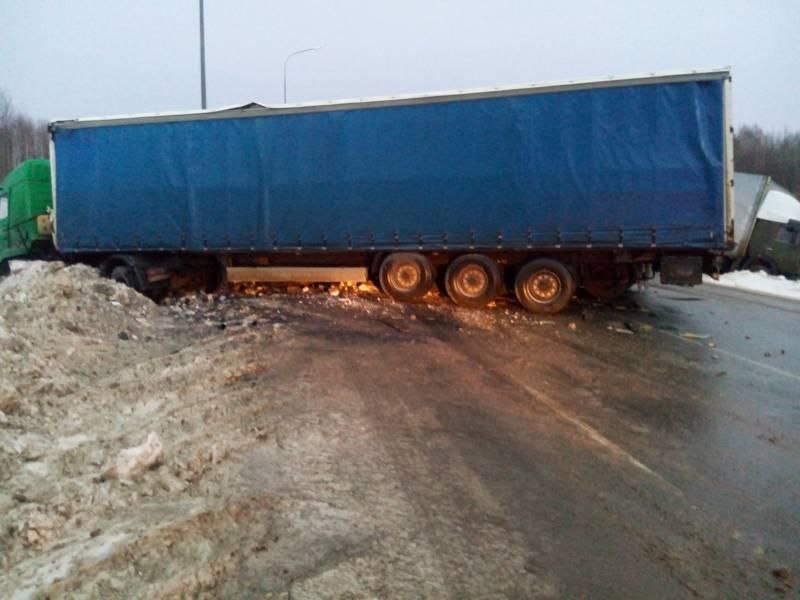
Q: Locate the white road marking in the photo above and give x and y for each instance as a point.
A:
(744, 359)
(593, 434)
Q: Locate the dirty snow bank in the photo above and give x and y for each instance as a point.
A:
(117, 421)
(65, 334)
(59, 324)
(758, 282)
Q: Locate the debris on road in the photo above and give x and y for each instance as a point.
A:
(624, 328)
(695, 336)
(131, 463)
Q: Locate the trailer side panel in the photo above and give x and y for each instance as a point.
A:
(630, 166)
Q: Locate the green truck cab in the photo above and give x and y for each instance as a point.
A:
(767, 236)
(25, 202)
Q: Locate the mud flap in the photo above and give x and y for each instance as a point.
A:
(682, 270)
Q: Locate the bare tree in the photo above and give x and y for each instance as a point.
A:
(776, 155)
(21, 137)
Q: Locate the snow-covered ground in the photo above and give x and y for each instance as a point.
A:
(759, 282)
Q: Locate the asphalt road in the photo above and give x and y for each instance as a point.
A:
(489, 454)
(324, 446)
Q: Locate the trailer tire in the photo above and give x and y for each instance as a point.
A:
(125, 274)
(544, 286)
(472, 280)
(406, 276)
(5, 268)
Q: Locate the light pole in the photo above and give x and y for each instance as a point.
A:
(202, 59)
(285, 62)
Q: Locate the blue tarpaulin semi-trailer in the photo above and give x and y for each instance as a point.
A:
(592, 175)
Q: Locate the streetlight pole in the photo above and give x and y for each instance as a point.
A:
(285, 62)
(202, 58)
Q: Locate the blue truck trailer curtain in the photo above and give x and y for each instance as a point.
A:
(631, 165)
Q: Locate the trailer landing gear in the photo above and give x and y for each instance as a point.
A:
(607, 282)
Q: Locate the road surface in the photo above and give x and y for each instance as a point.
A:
(320, 446)
(648, 452)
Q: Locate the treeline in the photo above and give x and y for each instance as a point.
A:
(21, 137)
(776, 155)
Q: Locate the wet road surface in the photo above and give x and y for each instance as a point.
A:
(340, 445)
(652, 450)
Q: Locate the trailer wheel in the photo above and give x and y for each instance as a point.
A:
(544, 286)
(406, 276)
(5, 268)
(472, 280)
(124, 274)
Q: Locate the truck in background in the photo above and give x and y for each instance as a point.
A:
(767, 234)
(25, 201)
(539, 189)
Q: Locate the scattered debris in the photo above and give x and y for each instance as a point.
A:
(624, 328)
(782, 573)
(695, 336)
(38, 529)
(784, 579)
(132, 462)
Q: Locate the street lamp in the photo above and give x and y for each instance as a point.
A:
(285, 62)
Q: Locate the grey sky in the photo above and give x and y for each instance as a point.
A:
(101, 57)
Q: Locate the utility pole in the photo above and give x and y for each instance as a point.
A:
(285, 62)
(202, 58)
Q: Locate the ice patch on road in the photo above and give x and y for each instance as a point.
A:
(758, 282)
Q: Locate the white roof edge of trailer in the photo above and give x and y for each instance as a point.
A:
(168, 113)
(260, 109)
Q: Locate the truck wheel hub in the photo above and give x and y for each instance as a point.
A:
(405, 277)
(472, 282)
(544, 287)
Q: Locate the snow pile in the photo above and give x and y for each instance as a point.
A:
(58, 325)
(758, 282)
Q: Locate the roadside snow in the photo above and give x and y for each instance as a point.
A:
(758, 282)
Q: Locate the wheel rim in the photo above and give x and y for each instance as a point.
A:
(405, 277)
(471, 282)
(543, 287)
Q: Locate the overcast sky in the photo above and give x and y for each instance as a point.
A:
(101, 57)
